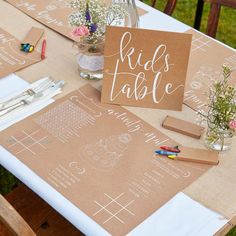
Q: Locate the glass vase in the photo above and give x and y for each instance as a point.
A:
(219, 140)
(90, 59)
(131, 19)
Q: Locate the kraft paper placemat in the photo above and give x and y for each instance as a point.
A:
(52, 13)
(11, 57)
(205, 66)
(101, 158)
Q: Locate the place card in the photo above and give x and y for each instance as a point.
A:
(101, 158)
(145, 68)
(207, 57)
(11, 57)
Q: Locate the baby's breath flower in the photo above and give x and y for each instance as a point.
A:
(95, 15)
(221, 107)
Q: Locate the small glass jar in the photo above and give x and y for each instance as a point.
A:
(90, 59)
(219, 140)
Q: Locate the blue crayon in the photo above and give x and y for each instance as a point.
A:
(27, 48)
(166, 153)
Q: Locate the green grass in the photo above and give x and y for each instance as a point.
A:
(185, 12)
(232, 232)
(7, 181)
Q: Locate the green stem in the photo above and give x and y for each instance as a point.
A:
(222, 142)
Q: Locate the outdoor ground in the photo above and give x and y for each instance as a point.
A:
(185, 12)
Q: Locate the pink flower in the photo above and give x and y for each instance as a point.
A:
(232, 124)
(80, 31)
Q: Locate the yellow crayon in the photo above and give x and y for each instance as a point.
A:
(31, 48)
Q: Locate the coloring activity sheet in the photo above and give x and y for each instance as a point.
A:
(205, 67)
(101, 158)
(52, 13)
(11, 57)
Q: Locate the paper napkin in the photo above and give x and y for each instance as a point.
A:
(14, 84)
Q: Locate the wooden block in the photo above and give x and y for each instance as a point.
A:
(183, 127)
(198, 155)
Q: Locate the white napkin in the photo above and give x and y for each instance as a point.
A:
(12, 84)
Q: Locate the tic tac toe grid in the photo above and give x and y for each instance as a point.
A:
(25, 141)
(200, 43)
(113, 209)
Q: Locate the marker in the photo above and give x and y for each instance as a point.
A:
(43, 49)
(172, 157)
(166, 153)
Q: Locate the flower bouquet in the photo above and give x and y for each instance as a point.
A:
(89, 20)
(221, 114)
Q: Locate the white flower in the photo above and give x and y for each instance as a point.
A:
(100, 15)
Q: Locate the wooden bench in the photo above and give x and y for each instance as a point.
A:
(23, 213)
(214, 14)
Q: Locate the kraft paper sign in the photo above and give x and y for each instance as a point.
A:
(101, 158)
(52, 13)
(205, 67)
(145, 68)
(11, 57)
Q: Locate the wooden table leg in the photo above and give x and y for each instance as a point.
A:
(198, 15)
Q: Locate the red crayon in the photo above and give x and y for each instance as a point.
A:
(170, 149)
(43, 49)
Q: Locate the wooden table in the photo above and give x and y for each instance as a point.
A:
(215, 190)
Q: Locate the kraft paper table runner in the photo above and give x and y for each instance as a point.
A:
(11, 58)
(207, 56)
(100, 157)
(216, 190)
(53, 14)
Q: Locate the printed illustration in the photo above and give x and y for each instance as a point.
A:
(106, 152)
